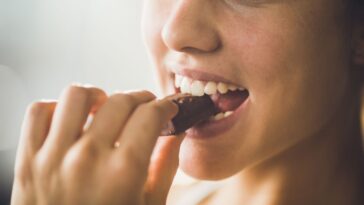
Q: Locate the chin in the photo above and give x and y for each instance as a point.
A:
(207, 164)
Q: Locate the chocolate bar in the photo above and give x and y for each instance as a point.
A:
(192, 110)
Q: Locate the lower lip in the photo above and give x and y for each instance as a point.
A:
(213, 128)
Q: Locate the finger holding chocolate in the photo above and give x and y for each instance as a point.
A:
(192, 110)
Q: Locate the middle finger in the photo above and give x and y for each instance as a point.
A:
(75, 104)
(110, 119)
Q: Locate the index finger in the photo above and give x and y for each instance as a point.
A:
(143, 128)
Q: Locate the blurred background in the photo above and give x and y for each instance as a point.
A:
(47, 44)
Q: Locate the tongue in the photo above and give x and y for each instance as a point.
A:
(230, 100)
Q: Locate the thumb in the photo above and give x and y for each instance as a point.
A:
(162, 169)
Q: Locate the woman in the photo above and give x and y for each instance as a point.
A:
(293, 139)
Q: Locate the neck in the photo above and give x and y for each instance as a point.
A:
(325, 169)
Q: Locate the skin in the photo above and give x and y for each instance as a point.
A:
(298, 141)
(60, 162)
(301, 122)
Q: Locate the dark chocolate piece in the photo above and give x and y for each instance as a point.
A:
(192, 110)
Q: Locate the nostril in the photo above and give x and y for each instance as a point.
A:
(196, 50)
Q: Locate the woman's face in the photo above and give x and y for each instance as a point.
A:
(291, 55)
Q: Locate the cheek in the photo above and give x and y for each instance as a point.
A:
(297, 77)
(152, 24)
(298, 70)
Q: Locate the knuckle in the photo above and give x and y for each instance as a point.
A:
(123, 99)
(22, 173)
(42, 166)
(147, 92)
(142, 108)
(117, 166)
(78, 93)
(36, 109)
(80, 157)
(122, 102)
(132, 158)
(152, 109)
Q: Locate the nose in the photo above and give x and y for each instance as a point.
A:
(190, 27)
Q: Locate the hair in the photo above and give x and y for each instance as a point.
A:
(357, 2)
(357, 12)
(357, 7)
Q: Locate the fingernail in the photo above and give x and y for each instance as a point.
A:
(76, 84)
(48, 100)
(131, 91)
(116, 91)
(88, 85)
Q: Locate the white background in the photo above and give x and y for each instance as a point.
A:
(48, 44)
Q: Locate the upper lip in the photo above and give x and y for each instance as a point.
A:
(200, 74)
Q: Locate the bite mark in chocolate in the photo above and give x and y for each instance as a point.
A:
(191, 110)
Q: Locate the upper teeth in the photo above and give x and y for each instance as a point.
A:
(199, 88)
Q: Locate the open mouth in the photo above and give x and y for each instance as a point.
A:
(226, 97)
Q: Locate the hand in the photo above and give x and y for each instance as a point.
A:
(60, 162)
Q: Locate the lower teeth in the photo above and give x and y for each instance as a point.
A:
(221, 115)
